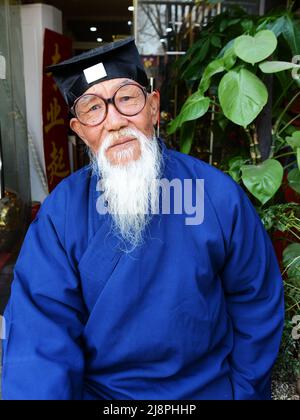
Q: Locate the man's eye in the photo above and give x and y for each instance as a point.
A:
(127, 98)
(95, 108)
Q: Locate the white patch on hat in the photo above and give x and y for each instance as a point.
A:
(95, 73)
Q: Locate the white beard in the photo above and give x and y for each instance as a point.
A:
(130, 189)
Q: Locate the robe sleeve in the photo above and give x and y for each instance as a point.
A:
(254, 296)
(42, 353)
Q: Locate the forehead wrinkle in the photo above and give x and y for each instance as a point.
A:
(107, 87)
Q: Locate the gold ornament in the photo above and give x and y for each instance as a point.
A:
(11, 221)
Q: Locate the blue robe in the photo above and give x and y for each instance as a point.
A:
(196, 312)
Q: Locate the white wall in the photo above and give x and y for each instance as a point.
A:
(35, 18)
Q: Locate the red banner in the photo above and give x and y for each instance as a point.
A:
(55, 111)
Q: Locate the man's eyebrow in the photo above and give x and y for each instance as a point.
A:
(125, 82)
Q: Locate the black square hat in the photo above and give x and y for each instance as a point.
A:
(119, 59)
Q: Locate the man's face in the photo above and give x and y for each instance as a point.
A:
(115, 122)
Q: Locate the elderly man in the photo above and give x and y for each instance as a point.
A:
(113, 300)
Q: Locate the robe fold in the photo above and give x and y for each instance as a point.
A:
(195, 312)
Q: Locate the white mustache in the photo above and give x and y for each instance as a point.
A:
(112, 138)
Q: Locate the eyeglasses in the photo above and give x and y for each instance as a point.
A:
(91, 109)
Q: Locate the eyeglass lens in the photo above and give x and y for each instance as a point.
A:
(129, 100)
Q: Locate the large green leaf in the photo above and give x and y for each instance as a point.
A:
(235, 165)
(193, 67)
(191, 52)
(276, 66)
(255, 49)
(229, 58)
(195, 107)
(298, 157)
(263, 180)
(228, 22)
(291, 33)
(247, 25)
(226, 47)
(277, 26)
(242, 96)
(216, 66)
(216, 41)
(294, 179)
(291, 260)
(187, 133)
(294, 140)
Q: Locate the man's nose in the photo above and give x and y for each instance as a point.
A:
(114, 120)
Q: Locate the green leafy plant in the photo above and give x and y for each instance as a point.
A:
(240, 71)
(283, 218)
(242, 96)
(289, 357)
(233, 85)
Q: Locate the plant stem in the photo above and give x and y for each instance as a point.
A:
(215, 103)
(294, 289)
(291, 307)
(293, 233)
(289, 123)
(284, 154)
(283, 94)
(288, 165)
(215, 112)
(276, 126)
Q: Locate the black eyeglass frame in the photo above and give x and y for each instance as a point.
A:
(109, 101)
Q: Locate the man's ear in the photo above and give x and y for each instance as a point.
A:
(154, 101)
(77, 128)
